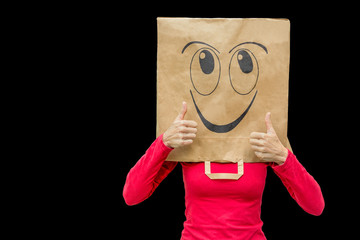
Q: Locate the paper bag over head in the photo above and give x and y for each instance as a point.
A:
(231, 72)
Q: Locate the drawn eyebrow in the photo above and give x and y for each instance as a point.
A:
(192, 42)
(259, 44)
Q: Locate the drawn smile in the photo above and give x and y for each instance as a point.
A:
(222, 128)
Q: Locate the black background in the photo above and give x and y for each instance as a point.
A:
(117, 106)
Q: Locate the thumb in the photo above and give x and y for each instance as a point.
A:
(183, 112)
(269, 126)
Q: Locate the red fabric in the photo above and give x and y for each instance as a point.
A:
(221, 209)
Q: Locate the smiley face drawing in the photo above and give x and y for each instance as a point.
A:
(231, 72)
(243, 74)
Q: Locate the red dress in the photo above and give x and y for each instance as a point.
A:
(221, 209)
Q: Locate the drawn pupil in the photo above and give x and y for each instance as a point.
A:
(245, 62)
(206, 61)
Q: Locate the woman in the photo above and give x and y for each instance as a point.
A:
(222, 209)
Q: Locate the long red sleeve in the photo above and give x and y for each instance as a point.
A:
(147, 174)
(301, 185)
(221, 209)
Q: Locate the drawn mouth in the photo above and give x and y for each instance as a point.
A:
(222, 128)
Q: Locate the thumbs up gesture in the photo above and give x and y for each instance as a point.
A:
(267, 146)
(181, 132)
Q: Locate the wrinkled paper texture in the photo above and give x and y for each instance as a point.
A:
(231, 72)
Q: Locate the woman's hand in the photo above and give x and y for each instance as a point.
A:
(181, 132)
(267, 146)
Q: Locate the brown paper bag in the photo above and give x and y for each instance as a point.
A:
(231, 72)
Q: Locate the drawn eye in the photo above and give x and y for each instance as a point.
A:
(205, 71)
(206, 61)
(243, 71)
(244, 61)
